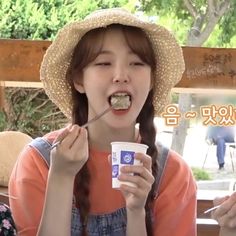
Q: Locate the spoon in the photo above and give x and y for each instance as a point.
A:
(211, 209)
(88, 123)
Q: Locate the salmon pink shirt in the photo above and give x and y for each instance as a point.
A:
(174, 208)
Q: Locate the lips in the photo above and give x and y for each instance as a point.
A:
(120, 101)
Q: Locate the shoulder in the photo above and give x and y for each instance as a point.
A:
(29, 164)
(177, 173)
(173, 160)
(176, 162)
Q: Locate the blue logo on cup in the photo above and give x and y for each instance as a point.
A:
(127, 157)
(115, 171)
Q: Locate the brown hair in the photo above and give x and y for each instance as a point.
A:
(85, 52)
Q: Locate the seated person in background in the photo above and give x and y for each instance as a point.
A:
(226, 215)
(219, 135)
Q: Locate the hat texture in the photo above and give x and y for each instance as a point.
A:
(168, 54)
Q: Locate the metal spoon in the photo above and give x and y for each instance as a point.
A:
(88, 123)
(211, 209)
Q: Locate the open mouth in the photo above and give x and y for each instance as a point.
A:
(120, 101)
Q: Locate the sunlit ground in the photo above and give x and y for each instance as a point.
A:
(196, 148)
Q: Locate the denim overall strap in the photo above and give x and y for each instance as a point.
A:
(43, 147)
(111, 224)
(162, 160)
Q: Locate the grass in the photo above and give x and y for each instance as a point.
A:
(200, 174)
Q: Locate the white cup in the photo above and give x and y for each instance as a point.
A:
(123, 154)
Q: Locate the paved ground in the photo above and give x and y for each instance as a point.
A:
(226, 174)
(195, 152)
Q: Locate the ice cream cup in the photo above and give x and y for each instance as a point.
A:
(123, 154)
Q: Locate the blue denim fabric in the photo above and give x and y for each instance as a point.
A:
(112, 224)
(221, 135)
(220, 149)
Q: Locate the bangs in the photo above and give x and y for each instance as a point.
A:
(87, 49)
(90, 46)
(139, 44)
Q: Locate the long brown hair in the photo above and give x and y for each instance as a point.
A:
(85, 52)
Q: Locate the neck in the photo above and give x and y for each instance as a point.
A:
(100, 138)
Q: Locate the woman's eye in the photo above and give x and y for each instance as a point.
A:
(102, 63)
(137, 63)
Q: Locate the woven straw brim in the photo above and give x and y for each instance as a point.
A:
(169, 57)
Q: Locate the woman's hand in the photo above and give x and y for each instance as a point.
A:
(72, 153)
(136, 197)
(226, 213)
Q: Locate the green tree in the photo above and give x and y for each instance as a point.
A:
(198, 23)
(41, 19)
(30, 110)
(199, 18)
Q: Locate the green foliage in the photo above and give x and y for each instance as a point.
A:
(30, 111)
(174, 97)
(200, 174)
(41, 19)
(227, 27)
(109, 4)
(174, 15)
(3, 122)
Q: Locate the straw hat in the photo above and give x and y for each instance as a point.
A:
(170, 62)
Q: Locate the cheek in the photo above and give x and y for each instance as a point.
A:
(94, 89)
(146, 90)
(144, 86)
(146, 80)
(92, 77)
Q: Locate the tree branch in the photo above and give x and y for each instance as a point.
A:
(197, 35)
(192, 10)
(53, 114)
(216, 14)
(210, 8)
(213, 20)
(210, 5)
(195, 30)
(223, 7)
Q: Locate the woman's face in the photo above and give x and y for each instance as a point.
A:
(115, 71)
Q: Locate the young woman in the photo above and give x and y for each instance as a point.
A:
(109, 55)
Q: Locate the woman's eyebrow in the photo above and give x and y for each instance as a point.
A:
(109, 52)
(104, 52)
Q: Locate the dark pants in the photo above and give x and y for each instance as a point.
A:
(220, 149)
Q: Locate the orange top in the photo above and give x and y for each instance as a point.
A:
(174, 208)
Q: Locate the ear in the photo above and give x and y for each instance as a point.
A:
(79, 86)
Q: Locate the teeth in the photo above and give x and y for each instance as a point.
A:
(120, 101)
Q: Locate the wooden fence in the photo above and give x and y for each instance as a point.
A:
(206, 68)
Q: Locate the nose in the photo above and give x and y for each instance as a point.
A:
(121, 75)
